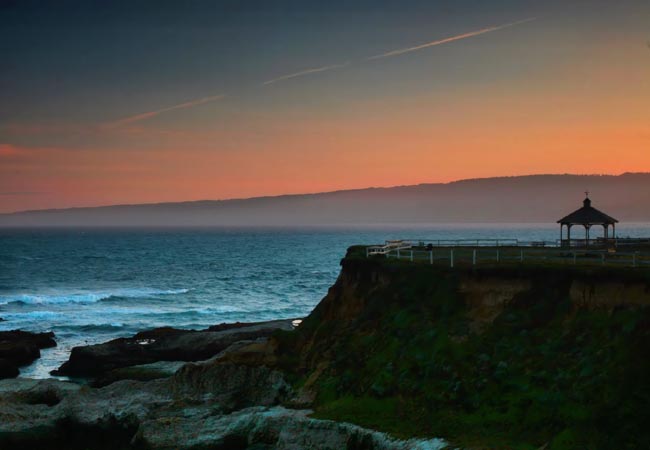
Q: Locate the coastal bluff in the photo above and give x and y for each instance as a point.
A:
(397, 355)
(502, 356)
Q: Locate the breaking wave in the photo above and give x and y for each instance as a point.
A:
(85, 296)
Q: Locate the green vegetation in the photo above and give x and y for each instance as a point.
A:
(401, 357)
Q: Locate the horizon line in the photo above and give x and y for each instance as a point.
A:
(335, 191)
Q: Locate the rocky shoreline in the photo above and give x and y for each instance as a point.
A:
(163, 344)
(148, 396)
(491, 358)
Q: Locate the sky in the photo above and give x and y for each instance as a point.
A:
(152, 101)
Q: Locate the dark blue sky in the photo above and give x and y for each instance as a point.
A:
(103, 55)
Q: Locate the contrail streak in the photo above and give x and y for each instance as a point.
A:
(190, 104)
(304, 72)
(450, 39)
(150, 114)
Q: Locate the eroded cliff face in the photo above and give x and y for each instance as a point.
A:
(367, 289)
(486, 297)
(501, 357)
(610, 293)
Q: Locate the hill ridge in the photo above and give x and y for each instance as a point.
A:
(523, 198)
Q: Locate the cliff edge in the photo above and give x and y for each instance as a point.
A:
(503, 357)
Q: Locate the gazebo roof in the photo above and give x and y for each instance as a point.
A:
(587, 215)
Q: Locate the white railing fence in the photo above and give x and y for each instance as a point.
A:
(481, 253)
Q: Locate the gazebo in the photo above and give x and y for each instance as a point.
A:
(587, 216)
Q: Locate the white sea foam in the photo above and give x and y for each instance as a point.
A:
(81, 296)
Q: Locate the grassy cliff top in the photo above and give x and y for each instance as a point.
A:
(503, 357)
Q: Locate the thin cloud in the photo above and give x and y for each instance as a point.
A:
(305, 72)
(190, 104)
(150, 114)
(8, 150)
(450, 39)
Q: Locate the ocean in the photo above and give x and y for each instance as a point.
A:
(93, 285)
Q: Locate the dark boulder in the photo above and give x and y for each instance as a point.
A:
(20, 348)
(162, 344)
(235, 325)
(8, 369)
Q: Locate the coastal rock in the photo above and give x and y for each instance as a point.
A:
(53, 414)
(8, 369)
(275, 428)
(162, 344)
(143, 372)
(135, 415)
(56, 414)
(234, 325)
(232, 386)
(19, 348)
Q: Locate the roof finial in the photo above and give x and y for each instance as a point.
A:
(587, 194)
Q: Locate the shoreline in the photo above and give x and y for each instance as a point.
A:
(416, 356)
(153, 338)
(238, 396)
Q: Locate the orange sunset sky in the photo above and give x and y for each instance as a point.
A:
(113, 104)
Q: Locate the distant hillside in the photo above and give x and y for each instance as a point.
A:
(534, 198)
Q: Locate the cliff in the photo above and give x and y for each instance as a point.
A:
(396, 356)
(524, 358)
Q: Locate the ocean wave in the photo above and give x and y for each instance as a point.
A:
(98, 326)
(18, 258)
(32, 315)
(86, 296)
